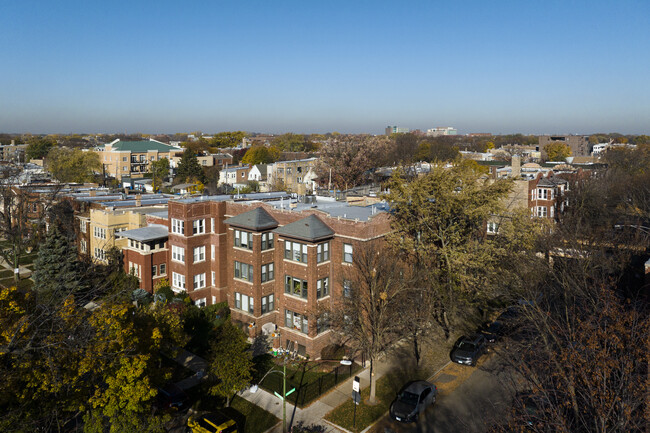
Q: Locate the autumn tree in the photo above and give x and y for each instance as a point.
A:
(375, 293)
(261, 155)
(72, 165)
(291, 142)
(227, 139)
(438, 226)
(231, 364)
(350, 159)
(557, 151)
(38, 147)
(159, 171)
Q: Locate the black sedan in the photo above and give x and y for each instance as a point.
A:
(467, 350)
(412, 400)
(492, 331)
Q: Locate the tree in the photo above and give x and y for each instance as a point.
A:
(57, 272)
(261, 155)
(39, 147)
(367, 316)
(350, 159)
(231, 364)
(228, 139)
(72, 165)
(189, 169)
(438, 226)
(557, 151)
(159, 171)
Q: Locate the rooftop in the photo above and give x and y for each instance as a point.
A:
(256, 219)
(140, 146)
(310, 229)
(143, 234)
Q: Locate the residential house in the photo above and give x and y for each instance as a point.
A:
(293, 175)
(132, 158)
(237, 175)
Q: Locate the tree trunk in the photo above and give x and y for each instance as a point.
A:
(416, 348)
(372, 399)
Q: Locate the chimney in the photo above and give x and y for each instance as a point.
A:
(516, 167)
(138, 200)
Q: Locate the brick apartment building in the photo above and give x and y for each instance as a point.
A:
(275, 262)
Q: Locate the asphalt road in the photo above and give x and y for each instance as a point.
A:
(476, 399)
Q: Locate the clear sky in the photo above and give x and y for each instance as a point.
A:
(531, 66)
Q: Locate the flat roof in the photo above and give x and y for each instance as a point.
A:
(143, 234)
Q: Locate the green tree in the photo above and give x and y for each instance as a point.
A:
(227, 139)
(231, 364)
(291, 142)
(159, 171)
(189, 169)
(38, 147)
(72, 165)
(57, 271)
(557, 151)
(261, 155)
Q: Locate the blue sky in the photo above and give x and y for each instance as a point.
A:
(317, 66)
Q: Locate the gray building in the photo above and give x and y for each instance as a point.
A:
(579, 144)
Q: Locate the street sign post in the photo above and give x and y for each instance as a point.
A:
(356, 397)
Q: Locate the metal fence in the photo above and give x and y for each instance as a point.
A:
(306, 392)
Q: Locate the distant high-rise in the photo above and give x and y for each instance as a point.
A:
(441, 130)
(396, 130)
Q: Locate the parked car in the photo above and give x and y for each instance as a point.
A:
(412, 400)
(215, 422)
(171, 397)
(468, 350)
(492, 331)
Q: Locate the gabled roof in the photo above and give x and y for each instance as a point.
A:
(256, 219)
(142, 146)
(310, 229)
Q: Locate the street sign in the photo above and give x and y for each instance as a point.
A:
(355, 384)
(290, 392)
(356, 396)
(278, 395)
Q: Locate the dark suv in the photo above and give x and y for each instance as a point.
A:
(467, 350)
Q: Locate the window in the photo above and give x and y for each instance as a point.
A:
(244, 303)
(541, 211)
(323, 287)
(323, 252)
(267, 304)
(323, 323)
(296, 321)
(124, 168)
(244, 271)
(135, 269)
(267, 241)
(347, 288)
(178, 281)
(198, 227)
(199, 254)
(295, 286)
(83, 225)
(267, 272)
(99, 232)
(244, 239)
(492, 227)
(212, 225)
(84, 246)
(124, 159)
(178, 226)
(213, 278)
(100, 254)
(347, 253)
(163, 269)
(154, 270)
(199, 281)
(212, 252)
(178, 254)
(542, 193)
(295, 251)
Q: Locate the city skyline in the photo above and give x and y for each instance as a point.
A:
(502, 67)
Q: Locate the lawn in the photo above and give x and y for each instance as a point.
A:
(310, 379)
(249, 418)
(27, 259)
(6, 273)
(25, 283)
(387, 388)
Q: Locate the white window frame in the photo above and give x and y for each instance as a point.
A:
(199, 254)
(178, 281)
(178, 254)
(198, 227)
(199, 281)
(212, 252)
(178, 226)
(348, 253)
(323, 287)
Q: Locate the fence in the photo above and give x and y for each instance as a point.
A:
(309, 385)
